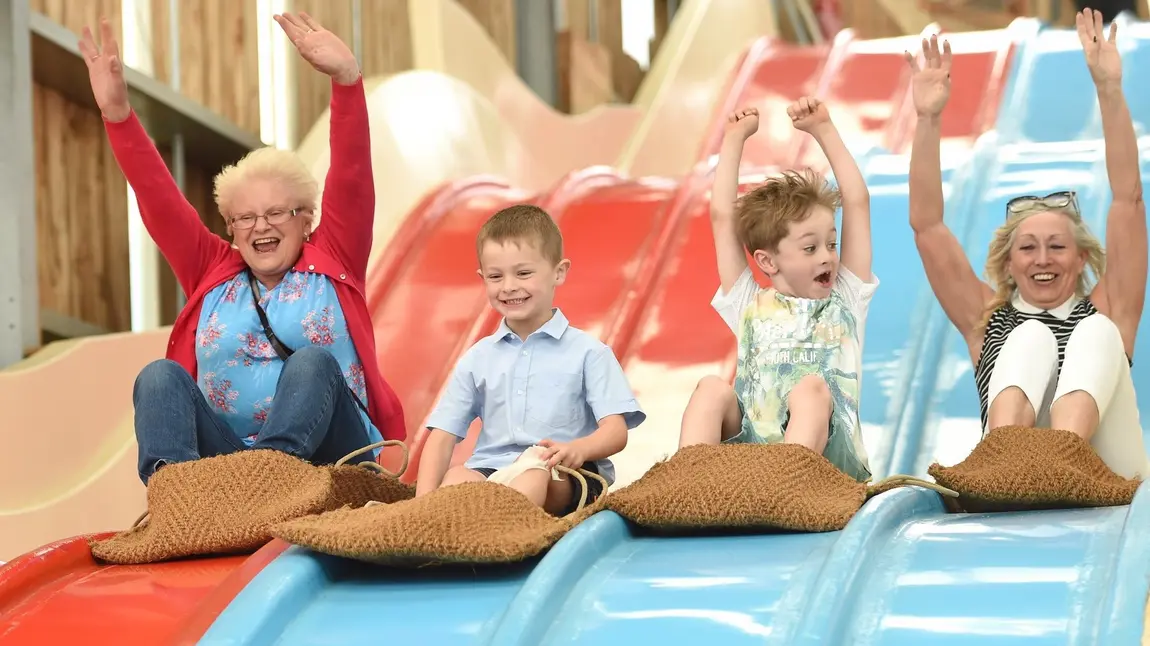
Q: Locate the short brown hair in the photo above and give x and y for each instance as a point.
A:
(764, 215)
(523, 222)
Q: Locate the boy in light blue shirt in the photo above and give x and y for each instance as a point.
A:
(548, 394)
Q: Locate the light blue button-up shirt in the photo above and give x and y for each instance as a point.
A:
(556, 385)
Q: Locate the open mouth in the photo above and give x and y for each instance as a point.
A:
(515, 302)
(824, 279)
(1044, 277)
(265, 245)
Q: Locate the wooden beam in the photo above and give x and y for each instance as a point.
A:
(58, 326)
(209, 140)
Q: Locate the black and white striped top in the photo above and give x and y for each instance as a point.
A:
(1002, 323)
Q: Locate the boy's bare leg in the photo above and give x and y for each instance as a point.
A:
(541, 489)
(712, 414)
(810, 405)
(460, 473)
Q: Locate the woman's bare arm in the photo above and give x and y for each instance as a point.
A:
(959, 291)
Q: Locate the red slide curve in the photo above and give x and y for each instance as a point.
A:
(641, 280)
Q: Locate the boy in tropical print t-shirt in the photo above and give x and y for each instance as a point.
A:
(800, 340)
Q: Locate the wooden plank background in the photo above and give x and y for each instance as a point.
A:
(81, 204)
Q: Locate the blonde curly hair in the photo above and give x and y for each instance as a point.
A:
(997, 259)
(267, 163)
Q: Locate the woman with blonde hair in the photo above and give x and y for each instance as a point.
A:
(1049, 350)
(274, 349)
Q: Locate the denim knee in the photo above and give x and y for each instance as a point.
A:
(158, 378)
(313, 361)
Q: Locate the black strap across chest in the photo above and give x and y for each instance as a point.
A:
(281, 349)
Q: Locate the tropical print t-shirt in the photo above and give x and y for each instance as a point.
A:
(238, 369)
(785, 338)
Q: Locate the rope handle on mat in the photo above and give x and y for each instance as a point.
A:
(903, 480)
(581, 475)
(375, 465)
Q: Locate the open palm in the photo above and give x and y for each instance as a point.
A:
(320, 47)
(106, 72)
(1101, 53)
(930, 84)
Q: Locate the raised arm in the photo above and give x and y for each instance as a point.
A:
(959, 291)
(172, 222)
(811, 116)
(1121, 290)
(348, 212)
(729, 253)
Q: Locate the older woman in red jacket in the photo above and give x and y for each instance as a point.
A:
(274, 349)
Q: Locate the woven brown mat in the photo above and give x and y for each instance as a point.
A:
(1016, 468)
(762, 487)
(228, 504)
(470, 523)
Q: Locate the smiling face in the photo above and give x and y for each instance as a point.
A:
(1045, 262)
(520, 282)
(807, 261)
(272, 244)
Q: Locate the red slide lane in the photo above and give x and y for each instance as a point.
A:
(424, 296)
(604, 261)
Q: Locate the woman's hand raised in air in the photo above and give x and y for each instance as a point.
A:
(106, 72)
(321, 48)
(1101, 52)
(930, 84)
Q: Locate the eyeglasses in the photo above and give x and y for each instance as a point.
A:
(1061, 200)
(273, 217)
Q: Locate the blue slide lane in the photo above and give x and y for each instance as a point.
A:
(1053, 577)
(903, 571)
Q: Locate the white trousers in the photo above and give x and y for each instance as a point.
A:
(1095, 363)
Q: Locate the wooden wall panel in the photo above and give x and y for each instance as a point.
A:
(498, 19)
(81, 196)
(313, 90)
(76, 14)
(81, 215)
(219, 56)
(386, 29)
(386, 41)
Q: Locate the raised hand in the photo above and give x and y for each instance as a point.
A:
(320, 47)
(930, 85)
(808, 113)
(742, 123)
(106, 72)
(1101, 53)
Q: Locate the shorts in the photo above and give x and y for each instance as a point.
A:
(594, 487)
(840, 449)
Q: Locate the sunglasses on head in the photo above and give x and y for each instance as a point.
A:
(1061, 200)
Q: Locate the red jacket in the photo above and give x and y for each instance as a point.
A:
(338, 249)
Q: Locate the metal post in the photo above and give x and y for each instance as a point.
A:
(19, 300)
(535, 57)
(357, 31)
(592, 21)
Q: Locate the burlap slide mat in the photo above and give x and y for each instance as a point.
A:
(1017, 468)
(471, 523)
(759, 487)
(774, 487)
(227, 504)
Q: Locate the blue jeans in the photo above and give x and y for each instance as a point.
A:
(312, 416)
